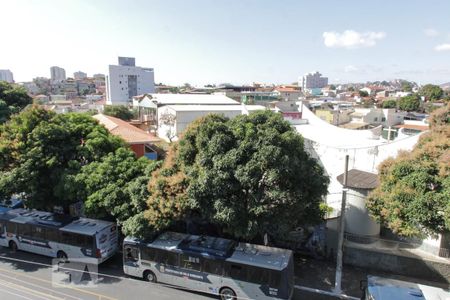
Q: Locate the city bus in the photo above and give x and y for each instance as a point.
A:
(212, 265)
(61, 236)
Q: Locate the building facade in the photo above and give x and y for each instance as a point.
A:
(313, 81)
(57, 74)
(79, 75)
(6, 75)
(125, 81)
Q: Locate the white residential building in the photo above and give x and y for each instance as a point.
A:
(173, 119)
(6, 75)
(125, 81)
(57, 74)
(313, 81)
(79, 75)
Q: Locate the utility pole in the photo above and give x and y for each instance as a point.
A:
(338, 280)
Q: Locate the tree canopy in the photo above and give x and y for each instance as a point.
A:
(249, 176)
(56, 160)
(118, 111)
(413, 196)
(409, 103)
(13, 99)
(431, 92)
(389, 104)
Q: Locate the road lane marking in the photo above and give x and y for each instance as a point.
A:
(17, 295)
(41, 287)
(25, 290)
(99, 296)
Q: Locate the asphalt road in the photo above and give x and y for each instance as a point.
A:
(29, 276)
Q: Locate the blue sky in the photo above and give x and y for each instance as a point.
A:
(236, 41)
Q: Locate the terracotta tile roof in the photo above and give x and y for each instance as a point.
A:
(286, 89)
(128, 132)
(359, 179)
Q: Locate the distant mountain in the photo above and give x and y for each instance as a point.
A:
(445, 86)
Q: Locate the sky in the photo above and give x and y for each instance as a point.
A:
(230, 41)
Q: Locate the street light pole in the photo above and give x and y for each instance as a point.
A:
(338, 280)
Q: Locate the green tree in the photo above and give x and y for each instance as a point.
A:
(406, 86)
(363, 94)
(13, 99)
(250, 176)
(40, 151)
(332, 87)
(413, 196)
(118, 111)
(431, 92)
(389, 104)
(409, 103)
(115, 186)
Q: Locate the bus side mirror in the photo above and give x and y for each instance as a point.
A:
(363, 285)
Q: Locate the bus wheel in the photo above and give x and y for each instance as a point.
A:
(227, 294)
(150, 276)
(13, 246)
(61, 255)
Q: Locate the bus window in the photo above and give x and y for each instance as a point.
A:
(148, 254)
(190, 262)
(24, 230)
(238, 272)
(52, 235)
(275, 278)
(131, 254)
(38, 232)
(11, 227)
(258, 275)
(212, 266)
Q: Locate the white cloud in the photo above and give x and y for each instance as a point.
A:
(442, 47)
(350, 68)
(431, 32)
(351, 39)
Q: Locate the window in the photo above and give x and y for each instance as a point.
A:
(24, 230)
(238, 272)
(11, 227)
(52, 235)
(258, 275)
(375, 119)
(131, 254)
(212, 266)
(383, 119)
(148, 254)
(2, 228)
(38, 232)
(275, 278)
(190, 262)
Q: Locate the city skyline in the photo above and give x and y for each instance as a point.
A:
(241, 42)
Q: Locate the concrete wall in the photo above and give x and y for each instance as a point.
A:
(400, 265)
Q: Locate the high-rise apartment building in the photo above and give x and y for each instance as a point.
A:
(79, 75)
(6, 75)
(57, 74)
(126, 81)
(313, 81)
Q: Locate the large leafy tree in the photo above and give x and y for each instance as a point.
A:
(250, 176)
(431, 92)
(414, 192)
(40, 151)
(13, 99)
(409, 103)
(389, 104)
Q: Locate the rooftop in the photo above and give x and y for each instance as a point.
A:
(213, 108)
(359, 179)
(175, 99)
(123, 129)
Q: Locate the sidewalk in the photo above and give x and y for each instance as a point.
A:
(320, 274)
